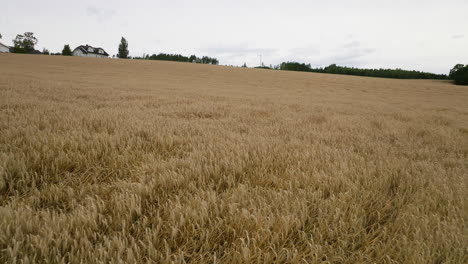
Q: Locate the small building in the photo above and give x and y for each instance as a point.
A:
(88, 51)
(4, 48)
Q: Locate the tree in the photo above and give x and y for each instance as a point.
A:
(67, 51)
(123, 49)
(45, 51)
(459, 74)
(454, 70)
(24, 43)
(192, 58)
(0, 35)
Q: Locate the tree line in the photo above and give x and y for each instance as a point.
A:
(384, 73)
(180, 58)
(123, 54)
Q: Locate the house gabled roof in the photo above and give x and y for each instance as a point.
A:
(84, 49)
(1, 44)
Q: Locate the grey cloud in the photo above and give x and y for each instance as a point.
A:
(238, 53)
(100, 14)
(352, 57)
(355, 59)
(91, 10)
(237, 49)
(351, 53)
(305, 51)
(352, 44)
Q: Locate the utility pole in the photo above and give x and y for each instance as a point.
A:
(260, 55)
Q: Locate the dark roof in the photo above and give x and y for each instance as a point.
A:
(84, 49)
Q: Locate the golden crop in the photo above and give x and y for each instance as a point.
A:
(124, 161)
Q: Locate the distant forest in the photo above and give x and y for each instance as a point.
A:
(178, 57)
(384, 73)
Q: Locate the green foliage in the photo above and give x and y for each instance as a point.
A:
(123, 49)
(459, 74)
(208, 60)
(67, 51)
(181, 58)
(24, 43)
(454, 70)
(294, 66)
(384, 73)
(45, 51)
(192, 58)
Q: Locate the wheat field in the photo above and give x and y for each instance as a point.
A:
(121, 161)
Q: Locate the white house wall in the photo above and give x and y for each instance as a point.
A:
(4, 49)
(78, 52)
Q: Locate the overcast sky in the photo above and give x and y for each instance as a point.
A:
(411, 34)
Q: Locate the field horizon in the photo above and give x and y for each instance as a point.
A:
(133, 161)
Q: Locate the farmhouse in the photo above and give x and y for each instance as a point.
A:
(4, 48)
(88, 51)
